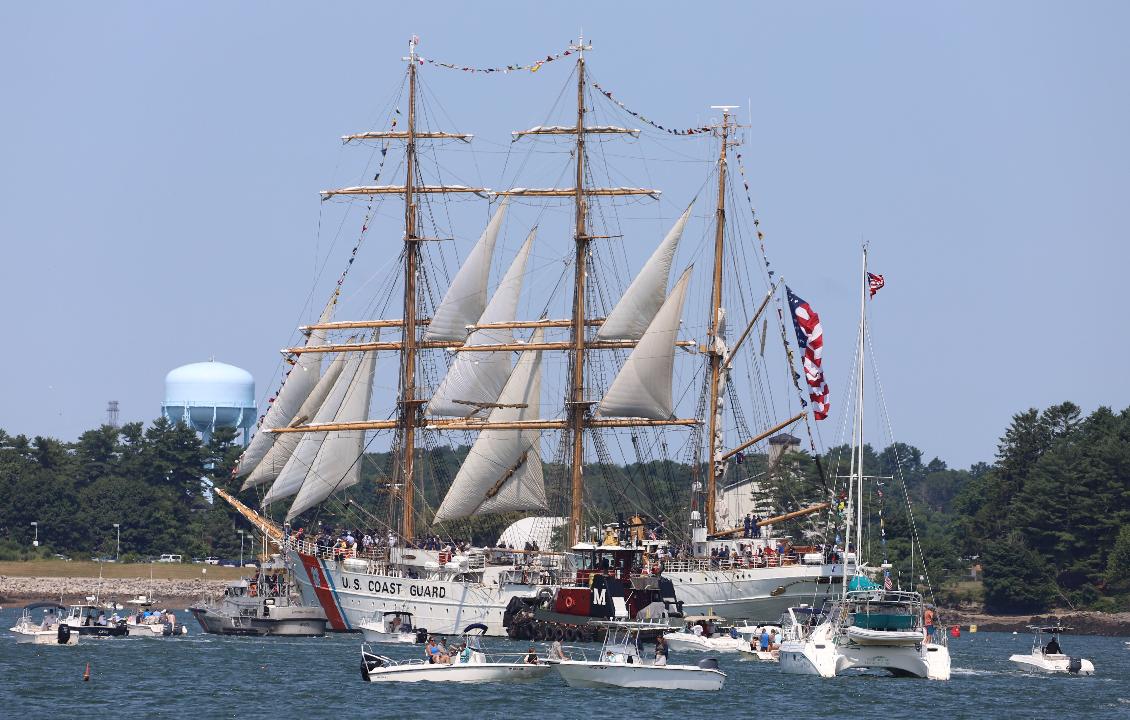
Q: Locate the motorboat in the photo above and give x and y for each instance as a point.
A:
(1048, 657)
(264, 605)
(393, 627)
(621, 664)
(144, 621)
(47, 632)
(704, 633)
(469, 664)
(871, 629)
(89, 619)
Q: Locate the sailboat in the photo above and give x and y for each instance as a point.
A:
(309, 443)
(870, 626)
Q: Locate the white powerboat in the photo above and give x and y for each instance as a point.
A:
(393, 627)
(470, 665)
(1048, 657)
(621, 664)
(48, 632)
(701, 634)
(143, 621)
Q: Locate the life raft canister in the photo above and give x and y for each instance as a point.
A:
(569, 601)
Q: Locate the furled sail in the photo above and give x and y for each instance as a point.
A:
(643, 386)
(467, 296)
(338, 463)
(294, 472)
(503, 472)
(296, 387)
(478, 377)
(644, 296)
(283, 447)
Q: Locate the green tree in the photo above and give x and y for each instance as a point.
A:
(1017, 579)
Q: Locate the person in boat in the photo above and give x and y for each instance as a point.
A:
(764, 640)
(556, 651)
(928, 621)
(1052, 648)
(775, 641)
(531, 656)
(394, 624)
(661, 650)
(464, 653)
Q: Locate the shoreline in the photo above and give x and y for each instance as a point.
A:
(1082, 622)
(22, 590)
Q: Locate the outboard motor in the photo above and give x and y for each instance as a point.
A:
(708, 663)
(1074, 665)
(421, 636)
(64, 634)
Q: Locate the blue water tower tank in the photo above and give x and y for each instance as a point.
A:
(209, 395)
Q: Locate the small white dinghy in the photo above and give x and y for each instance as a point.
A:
(393, 627)
(621, 664)
(701, 635)
(1048, 657)
(470, 665)
(48, 632)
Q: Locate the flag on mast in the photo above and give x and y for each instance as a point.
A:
(875, 283)
(810, 339)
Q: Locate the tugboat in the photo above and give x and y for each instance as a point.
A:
(264, 605)
(615, 580)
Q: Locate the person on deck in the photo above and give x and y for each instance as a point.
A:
(661, 650)
(1052, 648)
(928, 621)
(531, 656)
(764, 640)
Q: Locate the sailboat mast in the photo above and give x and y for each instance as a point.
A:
(577, 385)
(408, 351)
(859, 412)
(713, 339)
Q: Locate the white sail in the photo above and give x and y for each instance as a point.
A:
(644, 296)
(643, 386)
(294, 472)
(283, 447)
(502, 472)
(467, 295)
(338, 463)
(478, 377)
(296, 387)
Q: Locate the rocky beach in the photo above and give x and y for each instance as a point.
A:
(14, 589)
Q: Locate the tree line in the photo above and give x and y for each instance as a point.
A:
(1045, 525)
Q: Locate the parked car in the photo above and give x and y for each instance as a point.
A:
(212, 560)
(170, 558)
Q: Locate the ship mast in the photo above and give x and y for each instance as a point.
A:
(715, 342)
(577, 407)
(407, 415)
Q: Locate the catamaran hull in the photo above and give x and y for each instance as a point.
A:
(443, 607)
(826, 659)
(672, 677)
(759, 593)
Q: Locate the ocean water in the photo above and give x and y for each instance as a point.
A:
(208, 676)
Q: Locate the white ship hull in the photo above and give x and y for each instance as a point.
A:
(351, 596)
(753, 593)
(689, 642)
(471, 673)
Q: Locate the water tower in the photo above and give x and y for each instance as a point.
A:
(210, 395)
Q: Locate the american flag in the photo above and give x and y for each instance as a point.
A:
(810, 339)
(887, 584)
(875, 282)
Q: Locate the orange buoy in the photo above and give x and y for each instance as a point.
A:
(86, 675)
(955, 631)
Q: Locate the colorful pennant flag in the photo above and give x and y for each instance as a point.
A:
(810, 339)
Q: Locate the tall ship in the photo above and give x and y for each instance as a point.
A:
(618, 374)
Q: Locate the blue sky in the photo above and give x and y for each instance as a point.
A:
(160, 168)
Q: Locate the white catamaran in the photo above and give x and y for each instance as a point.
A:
(870, 626)
(310, 441)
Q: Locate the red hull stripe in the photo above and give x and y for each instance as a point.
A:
(323, 588)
